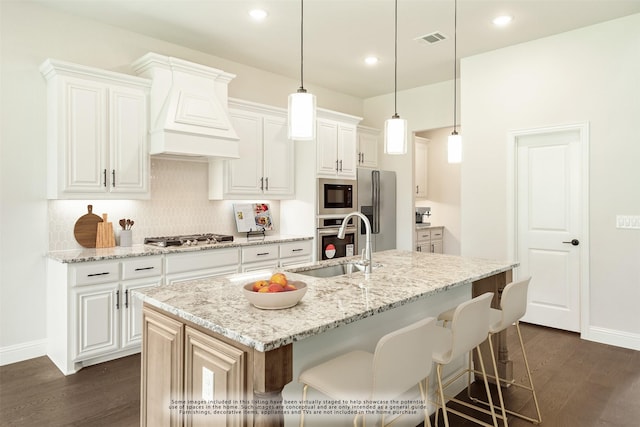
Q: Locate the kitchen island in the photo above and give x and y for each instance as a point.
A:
(204, 342)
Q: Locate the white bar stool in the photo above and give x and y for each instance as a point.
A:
(469, 329)
(397, 365)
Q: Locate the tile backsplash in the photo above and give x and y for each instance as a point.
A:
(179, 204)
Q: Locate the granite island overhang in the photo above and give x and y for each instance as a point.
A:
(261, 341)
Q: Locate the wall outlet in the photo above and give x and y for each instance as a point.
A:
(628, 221)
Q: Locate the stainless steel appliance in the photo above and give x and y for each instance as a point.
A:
(377, 201)
(329, 246)
(188, 240)
(336, 196)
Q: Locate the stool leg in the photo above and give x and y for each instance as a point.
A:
(495, 371)
(425, 397)
(526, 364)
(304, 399)
(486, 387)
(443, 404)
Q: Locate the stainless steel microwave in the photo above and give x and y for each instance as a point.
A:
(337, 196)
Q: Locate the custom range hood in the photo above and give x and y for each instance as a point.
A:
(188, 108)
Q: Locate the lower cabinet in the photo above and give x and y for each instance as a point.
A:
(188, 366)
(201, 264)
(430, 240)
(91, 314)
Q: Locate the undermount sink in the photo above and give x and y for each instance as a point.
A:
(336, 270)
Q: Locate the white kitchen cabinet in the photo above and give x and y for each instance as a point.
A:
(92, 315)
(368, 147)
(266, 164)
(336, 149)
(421, 160)
(97, 133)
(200, 264)
(259, 257)
(430, 240)
(295, 253)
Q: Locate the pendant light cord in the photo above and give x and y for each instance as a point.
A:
(301, 46)
(395, 71)
(455, 62)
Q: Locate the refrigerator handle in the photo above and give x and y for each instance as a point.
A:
(375, 197)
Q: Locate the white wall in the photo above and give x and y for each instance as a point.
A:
(30, 34)
(591, 74)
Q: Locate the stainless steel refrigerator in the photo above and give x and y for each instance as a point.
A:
(377, 201)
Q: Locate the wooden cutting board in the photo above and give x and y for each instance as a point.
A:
(105, 237)
(86, 228)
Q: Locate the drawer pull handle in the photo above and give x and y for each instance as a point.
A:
(98, 274)
(144, 268)
(263, 253)
(296, 250)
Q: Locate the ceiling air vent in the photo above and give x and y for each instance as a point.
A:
(432, 38)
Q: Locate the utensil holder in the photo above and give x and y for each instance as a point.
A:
(125, 238)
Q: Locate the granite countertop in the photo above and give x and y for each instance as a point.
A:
(218, 304)
(117, 252)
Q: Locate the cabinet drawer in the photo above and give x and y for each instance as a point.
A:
(294, 249)
(436, 233)
(259, 253)
(141, 267)
(423, 235)
(201, 260)
(96, 272)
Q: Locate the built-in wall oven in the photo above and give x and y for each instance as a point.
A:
(329, 246)
(337, 197)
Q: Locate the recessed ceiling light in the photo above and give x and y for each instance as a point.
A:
(371, 60)
(503, 20)
(258, 14)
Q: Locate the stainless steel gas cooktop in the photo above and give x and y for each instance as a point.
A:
(188, 240)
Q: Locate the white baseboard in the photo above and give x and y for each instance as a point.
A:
(612, 337)
(19, 352)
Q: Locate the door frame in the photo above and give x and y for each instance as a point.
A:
(512, 203)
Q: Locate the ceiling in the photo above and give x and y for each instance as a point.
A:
(338, 34)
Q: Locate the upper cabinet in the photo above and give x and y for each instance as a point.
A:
(368, 147)
(421, 152)
(97, 133)
(265, 167)
(336, 144)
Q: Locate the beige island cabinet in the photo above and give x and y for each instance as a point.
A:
(211, 358)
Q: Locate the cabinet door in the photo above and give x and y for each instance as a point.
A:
(278, 157)
(162, 355)
(436, 246)
(347, 151)
(367, 149)
(83, 130)
(244, 175)
(129, 158)
(421, 167)
(327, 147)
(96, 317)
(214, 370)
(131, 311)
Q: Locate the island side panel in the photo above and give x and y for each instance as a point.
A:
(495, 284)
(272, 370)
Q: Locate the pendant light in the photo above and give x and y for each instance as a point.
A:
(454, 144)
(302, 105)
(395, 128)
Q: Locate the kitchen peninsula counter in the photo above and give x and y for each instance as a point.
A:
(334, 314)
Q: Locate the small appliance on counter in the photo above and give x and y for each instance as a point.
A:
(422, 215)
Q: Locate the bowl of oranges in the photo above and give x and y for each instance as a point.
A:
(274, 293)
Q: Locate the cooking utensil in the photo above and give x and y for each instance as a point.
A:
(86, 227)
(123, 224)
(131, 225)
(104, 235)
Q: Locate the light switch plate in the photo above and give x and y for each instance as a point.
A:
(628, 221)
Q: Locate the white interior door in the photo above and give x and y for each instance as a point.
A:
(549, 217)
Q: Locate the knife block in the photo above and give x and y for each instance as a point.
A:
(104, 236)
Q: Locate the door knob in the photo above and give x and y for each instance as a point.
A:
(574, 242)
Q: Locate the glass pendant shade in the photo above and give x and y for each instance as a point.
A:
(302, 116)
(395, 136)
(454, 148)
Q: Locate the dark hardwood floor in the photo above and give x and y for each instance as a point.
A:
(579, 383)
